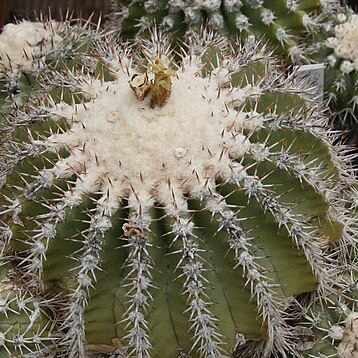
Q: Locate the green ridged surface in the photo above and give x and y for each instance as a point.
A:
(102, 320)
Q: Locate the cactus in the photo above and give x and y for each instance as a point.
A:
(336, 48)
(171, 203)
(26, 48)
(300, 32)
(23, 48)
(282, 22)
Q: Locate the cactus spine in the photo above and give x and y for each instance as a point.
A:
(208, 224)
(299, 31)
(281, 22)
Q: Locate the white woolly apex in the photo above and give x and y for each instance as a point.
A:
(23, 46)
(154, 153)
(345, 43)
(348, 348)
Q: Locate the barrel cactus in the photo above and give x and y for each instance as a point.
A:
(282, 23)
(26, 48)
(173, 203)
(299, 31)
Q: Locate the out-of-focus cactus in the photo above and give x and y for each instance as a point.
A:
(337, 48)
(23, 49)
(26, 48)
(171, 204)
(281, 22)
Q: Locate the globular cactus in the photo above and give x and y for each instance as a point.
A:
(299, 31)
(282, 23)
(161, 203)
(26, 48)
(23, 48)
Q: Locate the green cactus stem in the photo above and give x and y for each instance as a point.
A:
(207, 224)
(282, 22)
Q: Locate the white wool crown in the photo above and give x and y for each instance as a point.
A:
(23, 46)
(194, 138)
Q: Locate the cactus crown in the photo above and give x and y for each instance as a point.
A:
(197, 225)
